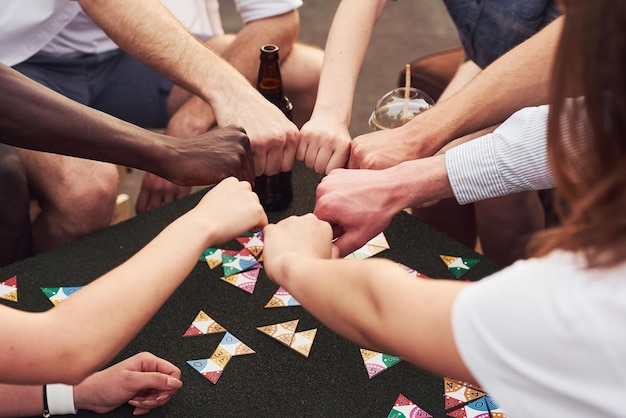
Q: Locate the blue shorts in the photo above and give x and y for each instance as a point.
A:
(490, 28)
(113, 82)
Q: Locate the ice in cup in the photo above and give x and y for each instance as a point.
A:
(396, 108)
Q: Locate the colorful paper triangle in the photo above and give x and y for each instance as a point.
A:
(459, 265)
(282, 299)
(302, 341)
(8, 289)
(245, 281)
(374, 246)
(376, 362)
(59, 294)
(282, 332)
(238, 263)
(405, 408)
(203, 324)
(253, 242)
(213, 367)
(212, 256)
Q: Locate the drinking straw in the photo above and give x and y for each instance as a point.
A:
(407, 89)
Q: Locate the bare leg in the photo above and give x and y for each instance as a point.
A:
(15, 232)
(76, 196)
(300, 72)
(505, 224)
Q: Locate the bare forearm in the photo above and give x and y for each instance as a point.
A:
(20, 401)
(119, 304)
(377, 305)
(421, 181)
(146, 30)
(66, 127)
(518, 79)
(346, 47)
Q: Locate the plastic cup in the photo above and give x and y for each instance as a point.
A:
(394, 110)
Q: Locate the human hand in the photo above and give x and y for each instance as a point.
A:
(192, 118)
(230, 209)
(383, 149)
(143, 380)
(359, 204)
(273, 138)
(156, 192)
(324, 145)
(297, 235)
(210, 157)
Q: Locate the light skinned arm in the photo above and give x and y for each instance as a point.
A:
(149, 32)
(111, 310)
(518, 79)
(359, 204)
(95, 135)
(325, 139)
(389, 310)
(195, 116)
(143, 380)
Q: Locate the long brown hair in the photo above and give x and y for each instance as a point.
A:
(587, 133)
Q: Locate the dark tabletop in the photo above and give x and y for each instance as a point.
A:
(275, 381)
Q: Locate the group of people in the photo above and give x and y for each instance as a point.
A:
(538, 103)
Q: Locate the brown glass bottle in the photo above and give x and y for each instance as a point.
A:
(275, 192)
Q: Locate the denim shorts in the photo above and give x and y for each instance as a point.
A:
(490, 28)
(113, 82)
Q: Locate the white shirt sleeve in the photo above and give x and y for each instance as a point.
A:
(258, 9)
(545, 337)
(512, 159)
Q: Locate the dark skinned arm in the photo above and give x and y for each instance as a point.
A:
(66, 127)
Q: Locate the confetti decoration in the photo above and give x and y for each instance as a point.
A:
(376, 363)
(203, 324)
(59, 294)
(282, 299)
(213, 367)
(8, 289)
(405, 408)
(245, 281)
(458, 265)
(253, 242)
(466, 400)
(376, 245)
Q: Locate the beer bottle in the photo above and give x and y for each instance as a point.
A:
(275, 192)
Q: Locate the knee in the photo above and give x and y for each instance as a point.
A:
(89, 204)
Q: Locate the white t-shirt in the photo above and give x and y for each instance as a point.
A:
(547, 337)
(60, 27)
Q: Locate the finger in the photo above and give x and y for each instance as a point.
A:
(154, 201)
(339, 159)
(347, 243)
(321, 161)
(289, 151)
(260, 160)
(311, 156)
(274, 161)
(302, 149)
(141, 205)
